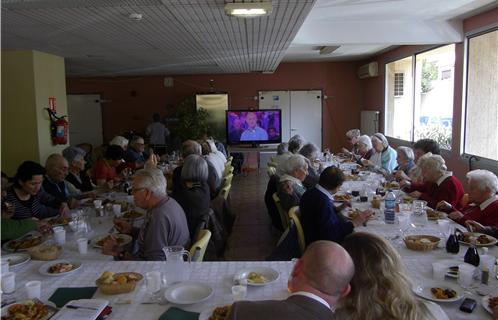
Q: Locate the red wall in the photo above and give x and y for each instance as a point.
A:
(134, 99)
(374, 87)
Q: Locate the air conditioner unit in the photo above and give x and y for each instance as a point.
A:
(368, 70)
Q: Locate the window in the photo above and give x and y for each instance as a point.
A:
(425, 109)
(481, 112)
(398, 84)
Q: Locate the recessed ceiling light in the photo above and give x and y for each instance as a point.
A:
(248, 9)
(135, 16)
(328, 49)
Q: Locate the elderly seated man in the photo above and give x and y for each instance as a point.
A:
(165, 222)
(55, 184)
(483, 201)
(311, 152)
(317, 282)
(318, 215)
(134, 155)
(77, 175)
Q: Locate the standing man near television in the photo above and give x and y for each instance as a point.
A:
(253, 131)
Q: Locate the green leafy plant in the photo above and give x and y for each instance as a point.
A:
(437, 132)
(429, 74)
(192, 123)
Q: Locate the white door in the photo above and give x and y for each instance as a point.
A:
(85, 119)
(306, 115)
(278, 100)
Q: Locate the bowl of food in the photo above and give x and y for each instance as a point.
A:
(376, 201)
(434, 214)
(116, 283)
(421, 242)
(45, 252)
(132, 215)
(342, 197)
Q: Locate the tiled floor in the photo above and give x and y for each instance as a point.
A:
(252, 237)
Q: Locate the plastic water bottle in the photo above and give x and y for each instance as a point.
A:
(389, 205)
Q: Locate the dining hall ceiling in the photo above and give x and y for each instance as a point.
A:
(97, 37)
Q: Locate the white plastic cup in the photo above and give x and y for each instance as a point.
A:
(438, 271)
(60, 236)
(82, 245)
(239, 292)
(97, 203)
(33, 288)
(5, 266)
(8, 282)
(153, 281)
(444, 226)
(487, 262)
(465, 275)
(116, 209)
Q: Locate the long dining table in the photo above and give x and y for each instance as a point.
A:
(220, 275)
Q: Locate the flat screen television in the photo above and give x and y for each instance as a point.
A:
(254, 126)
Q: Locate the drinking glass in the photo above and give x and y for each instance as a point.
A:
(82, 245)
(443, 226)
(465, 275)
(438, 271)
(8, 282)
(239, 292)
(153, 283)
(33, 288)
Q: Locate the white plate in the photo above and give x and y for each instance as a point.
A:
(485, 304)
(51, 309)
(16, 259)
(188, 293)
(44, 268)
(477, 234)
(424, 291)
(270, 274)
(7, 247)
(126, 239)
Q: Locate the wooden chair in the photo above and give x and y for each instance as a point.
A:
(271, 171)
(198, 249)
(294, 216)
(228, 170)
(284, 218)
(229, 159)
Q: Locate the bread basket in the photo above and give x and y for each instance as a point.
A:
(117, 288)
(417, 243)
(45, 252)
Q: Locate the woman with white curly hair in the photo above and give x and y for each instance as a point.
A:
(439, 184)
(483, 201)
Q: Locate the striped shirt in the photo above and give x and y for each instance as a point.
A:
(41, 205)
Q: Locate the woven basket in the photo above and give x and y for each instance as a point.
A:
(413, 242)
(118, 288)
(376, 203)
(45, 252)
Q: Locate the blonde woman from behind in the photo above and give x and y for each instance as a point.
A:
(380, 288)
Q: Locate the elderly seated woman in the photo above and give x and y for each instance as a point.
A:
(420, 148)
(26, 196)
(365, 150)
(483, 201)
(379, 285)
(290, 187)
(352, 137)
(439, 184)
(405, 159)
(77, 175)
(165, 223)
(311, 152)
(384, 157)
(193, 196)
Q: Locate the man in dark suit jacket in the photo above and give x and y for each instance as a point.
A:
(318, 215)
(319, 279)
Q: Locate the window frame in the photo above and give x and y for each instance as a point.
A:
(486, 162)
(402, 84)
(414, 63)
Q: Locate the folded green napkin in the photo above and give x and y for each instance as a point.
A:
(174, 313)
(62, 296)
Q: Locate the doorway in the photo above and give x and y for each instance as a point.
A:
(85, 118)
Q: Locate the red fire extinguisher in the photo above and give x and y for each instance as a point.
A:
(58, 128)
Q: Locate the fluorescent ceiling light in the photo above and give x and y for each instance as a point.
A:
(248, 9)
(328, 49)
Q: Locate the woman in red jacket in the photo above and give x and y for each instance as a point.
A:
(483, 202)
(439, 184)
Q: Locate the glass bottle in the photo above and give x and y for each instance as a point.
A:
(472, 256)
(452, 245)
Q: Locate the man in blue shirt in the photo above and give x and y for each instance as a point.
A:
(134, 155)
(253, 132)
(319, 218)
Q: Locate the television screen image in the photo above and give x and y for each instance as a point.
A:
(252, 127)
